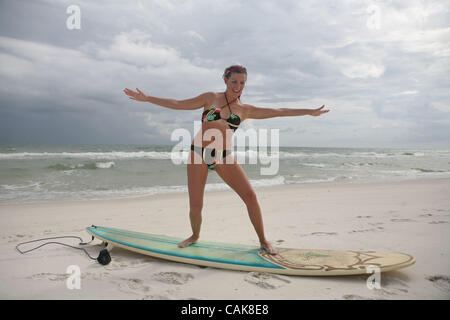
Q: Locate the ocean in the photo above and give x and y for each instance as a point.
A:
(36, 173)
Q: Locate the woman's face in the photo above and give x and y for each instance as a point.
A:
(235, 84)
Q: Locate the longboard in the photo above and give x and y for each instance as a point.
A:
(302, 262)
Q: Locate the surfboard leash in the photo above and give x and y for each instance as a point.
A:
(104, 257)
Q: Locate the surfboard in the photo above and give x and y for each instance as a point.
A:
(302, 262)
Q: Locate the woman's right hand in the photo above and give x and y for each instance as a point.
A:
(138, 96)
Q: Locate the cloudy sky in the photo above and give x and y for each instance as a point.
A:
(381, 67)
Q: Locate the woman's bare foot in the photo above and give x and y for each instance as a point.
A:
(187, 242)
(267, 248)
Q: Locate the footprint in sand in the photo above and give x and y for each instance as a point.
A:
(49, 276)
(173, 277)
(426, 215)
(158, 297)
(391, 281)
(378, 225)
(120, 263)
(324, 234)
(392, 287)
(402, 220)
(364, 230)
(429, 215)
(135, 286)
(442, 282)
(16, 238)
(94, 276)
(65, 276)
(355, 297)
(265, 280)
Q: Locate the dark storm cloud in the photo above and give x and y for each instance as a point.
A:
(384, 82)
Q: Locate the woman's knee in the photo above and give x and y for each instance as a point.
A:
(249, 197)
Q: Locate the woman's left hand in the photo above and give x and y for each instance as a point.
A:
(317, 112)
(138, 96)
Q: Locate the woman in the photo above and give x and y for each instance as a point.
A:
(222, 114)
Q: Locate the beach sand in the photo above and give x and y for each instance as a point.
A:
(408, 216)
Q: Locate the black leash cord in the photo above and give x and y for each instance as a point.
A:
(60, 243)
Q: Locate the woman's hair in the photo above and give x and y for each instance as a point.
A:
(234, 69)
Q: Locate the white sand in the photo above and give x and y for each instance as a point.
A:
(409, 216)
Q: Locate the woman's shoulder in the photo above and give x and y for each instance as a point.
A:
(210, 97)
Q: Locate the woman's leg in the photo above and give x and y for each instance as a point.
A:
(233, 174)
(197, 172)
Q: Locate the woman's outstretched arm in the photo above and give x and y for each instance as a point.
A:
(188, 104)
(264, 113)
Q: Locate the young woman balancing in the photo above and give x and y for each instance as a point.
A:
(222, 114)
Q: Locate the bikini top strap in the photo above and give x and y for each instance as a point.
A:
(228, 104)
